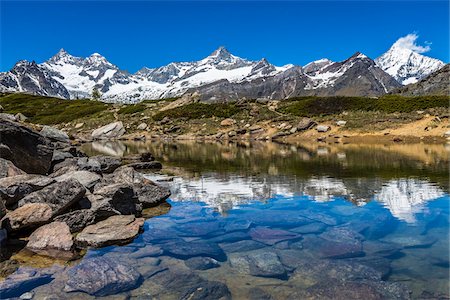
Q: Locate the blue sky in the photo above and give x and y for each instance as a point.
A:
(149, 33)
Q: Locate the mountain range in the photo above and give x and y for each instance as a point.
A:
(220, 76)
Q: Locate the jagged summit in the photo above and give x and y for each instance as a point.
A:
(405, 63)
(221, 73)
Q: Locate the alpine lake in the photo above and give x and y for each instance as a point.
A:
(273, 221)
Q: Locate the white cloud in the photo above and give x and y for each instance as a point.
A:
(409, 42)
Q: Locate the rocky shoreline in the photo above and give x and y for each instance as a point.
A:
(60, 201)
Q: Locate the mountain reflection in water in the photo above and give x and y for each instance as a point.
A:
(403, 178)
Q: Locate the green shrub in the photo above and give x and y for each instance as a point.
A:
(131, 109)
(315, 106)
(199, 111)
(48, 110)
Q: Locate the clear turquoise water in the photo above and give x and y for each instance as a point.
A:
(282, 222)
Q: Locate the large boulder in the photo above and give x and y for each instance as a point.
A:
(54, 134)
(86, 178)
(111, 131)
(102, 276)
(305, 124)
(7, 169)
(60, 196)
(52, 239)
(114, 230)
(77, 219)
(27, 216)
(98, 164)
(148, 193)
(16, 187)
(31, 152)
(115, 199)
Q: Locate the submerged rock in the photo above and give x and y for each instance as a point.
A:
(114, 230)
(242, 246)
(272, 236)
(101, 276)
(60, 196)
(22, 281)
(263, 264)
(201, 263)
(207, 290)
(182, 249)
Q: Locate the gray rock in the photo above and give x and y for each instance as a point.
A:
(8, 169)
(22, 281)
(111, 131)
(54, 134)
(114, 230)
(151, 165)
(51, 240)
(60, 196)
(31, 152)
(305, 124)
(310, 228)
(28, 216)
(201, 263)
(77, 219)
(182, 249)
(231, 237)
(59, 156)
(272, 236)
(242, 246)
(262, 264)
(8, 117)
(86, 178)
(115, 199)
(147, 251)
(16, 187)
(101, 276)
(259, 294)
(322, 128)
(208, 290)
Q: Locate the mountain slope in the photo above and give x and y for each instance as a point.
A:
(31, 78)
(357, 75)
(407, 66)
(437, 83)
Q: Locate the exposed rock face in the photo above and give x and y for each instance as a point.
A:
(54, 134)
(115, 199)
(101, 276)
(31, 78)
(29, 215)
(436, 83)
(78, 219)
(8, 169)
(16, 187)
(114, 230)
(60, 196)
(148, 193)
(52, 237)
(86, 178)
(31, 152)
(111, 131)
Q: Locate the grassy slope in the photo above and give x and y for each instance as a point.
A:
(385, 111)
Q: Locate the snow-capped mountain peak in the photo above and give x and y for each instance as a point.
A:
(405, 64)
